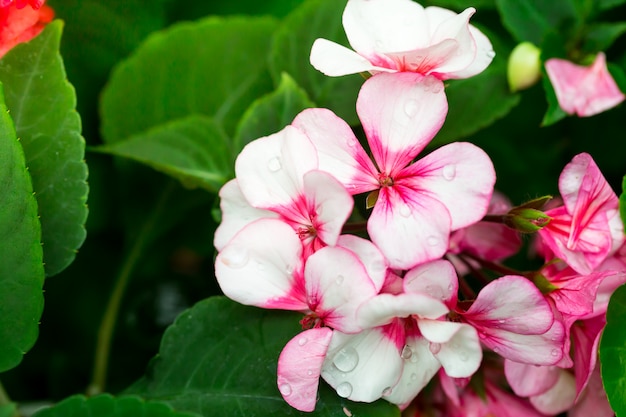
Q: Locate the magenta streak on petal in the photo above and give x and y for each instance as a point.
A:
(396, 331)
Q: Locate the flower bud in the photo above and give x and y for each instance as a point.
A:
(526, 220)
(524, 67)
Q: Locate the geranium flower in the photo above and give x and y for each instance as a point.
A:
(417, 204)
(583, 90)
(400, 35)
(21, 20)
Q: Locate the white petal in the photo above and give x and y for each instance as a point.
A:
(559, 398)
(335, 60)
(383, 308)
(270, 169)
(437, 279)
(373, 260)
(462, 354)
(361, 367)
(254, 273)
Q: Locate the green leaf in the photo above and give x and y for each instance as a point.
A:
(215, 67)
(533, 20)
(219, 359)
(603, 5)
(272, 112)
(291, 49)
(21, 263)
(554, 113)
(475, 103)
(8, 410)
(613, 351)
(600, 36)
(109, 406)
(460, 5)
(42, 103)
(194, 150)
(622, 201)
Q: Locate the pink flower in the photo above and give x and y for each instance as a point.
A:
(588, 228)
(585, 91)
(20, 21)
(400, 35)
(417, 204)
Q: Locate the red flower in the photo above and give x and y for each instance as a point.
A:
(21, 20)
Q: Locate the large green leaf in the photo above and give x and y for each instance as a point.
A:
(291, 49)
(109, 406)
(21, 264)
(195, 150)
(8, 410)
(273, 112)
(613, 352)
(215, 67)
(600, 36)
(219, 359)
(42, 103)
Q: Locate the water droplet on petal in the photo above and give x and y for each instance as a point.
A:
(302, 341)
(235, 256)
(387, 391)
(289, 270)
(344, 389)
(436, 87)
(414, 359)
(309, 372)
(260, 267)
(346, 359)
(405, 210)
(407, 352)
(274, 164)
(410, 108)
(339, 279)
(433, 240)
(413, 376)
(434, 348)
(352, 142)
(555, 352)
(449, 172)
(285, 389)
(490, 54)
(464, 356)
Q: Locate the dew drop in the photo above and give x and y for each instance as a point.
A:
(309, 372)
(436, 87)
(346, 359)
(501, 321)
(410, 108)
(490, 54)
(434, 348)
(344, 389)
(260, 267)
(407, 352)
(285, 389)
(496, 349)
(449, 172)
(339, 279)
(555, 352)
(302, 341)
(405, 210)
(387, 391)
(352, 142)
(432, 240)
(413, 377)
(274, 164)
(463, 356)
(235, 256)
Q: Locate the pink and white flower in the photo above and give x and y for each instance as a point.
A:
(587, 228)
(583, 90)
(417, 203)
(401, 35)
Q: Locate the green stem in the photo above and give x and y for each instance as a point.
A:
(6, 400)
(107, 326)
(496, 267)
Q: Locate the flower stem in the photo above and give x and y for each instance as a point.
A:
(354, 227)
(107, 326)
(493, 266)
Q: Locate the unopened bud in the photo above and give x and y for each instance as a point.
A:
(524, 67)
(542, 283)
(526, 220)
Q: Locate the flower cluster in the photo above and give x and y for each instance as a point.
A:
(21, 20)
(386, 312)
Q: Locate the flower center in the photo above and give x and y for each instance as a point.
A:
(305, 232)
(311, 321)
(385, 180)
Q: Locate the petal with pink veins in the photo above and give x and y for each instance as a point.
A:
(236, 214)
(300, 365)
(252, 272)
(336, 285)
(270, 170)
(361, 367)
(460, 175)
(559, 398)
(528, 380)
(339, 151)
(369, 255)
(437, 279)
(586, 338)
(400, 114)
(409, 228)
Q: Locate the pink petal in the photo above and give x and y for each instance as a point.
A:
(437, 279)
(557, 399)
(512, 304)
(329, 203)
(335, 60)
(378, 26)
(575, 293)
(593, 402)
(400, 114)
(455, 345)
(409, 228)
(586, 338)
(363, 366)
(270, 169)
(419, 368)
(369, 255)
(300, 365)
(252, 272)
(528, 380)
(460, 175)
(336, 285)
(383, 308)
(338, 150)
(236, 214)
(585, 91)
